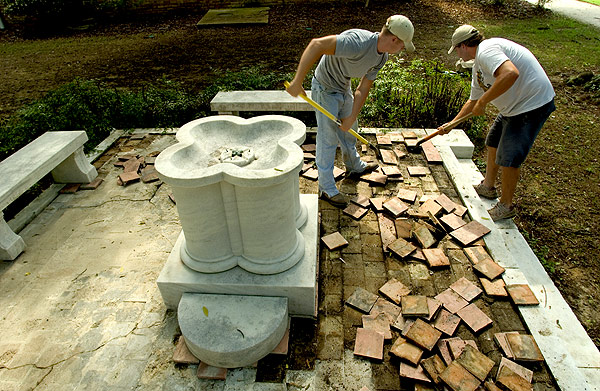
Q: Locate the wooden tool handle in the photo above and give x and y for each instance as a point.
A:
(449, 126)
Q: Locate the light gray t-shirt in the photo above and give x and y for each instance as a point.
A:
(532, 88)
(355, 56)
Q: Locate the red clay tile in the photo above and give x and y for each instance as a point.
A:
(378, 322)
(70, 188)
(149, 174)
(470, 232)
(418, 255)
(493, 288)
(451, 300)
(309, 147)
(511, 381)
(406, 350)
(377, 203)
(431, 206)
(394, 290)
(458, 378)
(417, 171)
(388, 156)
(466, 289)
(521, 294)
(396, 137)
(433, 366)
(395, 206)
(309, 156)
(375, 179)
(399, 323)
(457, 345)
(423, 235)
(362, 299)
(401, 248)
(387, 229)
(446, 203)
(444, 349)
(93, 185)
(416, 373)
(489, 268)
(391, 171)
(475, 362)
(434, 306)
(338, 173)
(132, 165)
(452, 221)
(403, 227)
(182, 354)
(208, 372)
(447, 322)
(435, 257)
(477, 254)
(384, 140)
(311, 173)
(410, 134)
(129, 177)
(490, 386)
(460, 210)
(475, 318)
(369, 343)
(524, 347)
(357, 212)
(382, 306)
(361, 200)
(400, 152)
(520, 370)
(502, 342)
(407, 195)
(414, 305)
(334, 241)
(423, 334)
(431, 153)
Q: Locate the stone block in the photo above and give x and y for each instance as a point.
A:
(423, 334)
(406, 351)
(466, 289)
(369, 343)
(447, 322)
(128, 177)
(334, 241)
(475, 362)
(521, 294)
(451, 300)
(394, 290)
(475, 318)
(362, 300)
(435, 257)
(470, 232)
(446, 203)
(457, 345)
(458, 378)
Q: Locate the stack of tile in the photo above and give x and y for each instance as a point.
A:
(136, 167)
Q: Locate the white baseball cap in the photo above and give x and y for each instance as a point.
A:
(461, 34)
(402, 28)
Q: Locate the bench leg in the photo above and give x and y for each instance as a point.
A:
(11, 244)
(75, 169)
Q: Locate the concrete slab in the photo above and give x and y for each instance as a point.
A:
(226, 16)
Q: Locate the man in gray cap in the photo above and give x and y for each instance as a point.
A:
(509, 76)
(354, 53)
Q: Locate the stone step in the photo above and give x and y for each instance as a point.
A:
(231, 331)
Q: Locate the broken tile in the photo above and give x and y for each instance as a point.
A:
(394, 290)
(512, 381)
(129, 177)
(418, 255)
(444, 349)
(502, 342)
(132, 165)
(362, 299)
(452, 221)
(384, 140)
(93, 185)
(435, 257)
(475, 362)
(520, 370)
(433, 366)
(401, 248)
(458, 378)
(494, 288)
(521, 294)
(377, 203)
(391, 171)
(451, 300)
(489, 268)
(361, 200)
(369, 343)
(311, 173)
(477, 254)
(407, 195)
(378, 322)
(415, 373)
(414, 305)
(475, 318)
(524, 347)
(334, 241)
(431, 206)
(357, 212)
(388, 156)
(460, 210)
(209, 372)
(466, 289)
(406, 350)
(423, 235)
(434, 306)
(375, 179)
(423, 334)
(387, 229)
(182, 354)
(431, 153)
(470, 232)
(447, 322)
(457, 345)
(395, 206)
(338, 173)
(417, 171)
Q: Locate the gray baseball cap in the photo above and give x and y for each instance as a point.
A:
(461, 34)
(401, 27)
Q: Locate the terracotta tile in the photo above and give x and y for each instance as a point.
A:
(378, 322)
(477, 254)
(309, 147)
(408, 323)
(489, 268)
(447, 322)
(388, 156)
(490, 386)
(208, 372)
(311, 173)
(434, 306)
(93, 185)
(396, 137)
(444, 349)
(399, 323)
(401, 248)
(129, 177)
(369, 343)
(494, 288)
(338, 173)
(411, 372)
(404, 227)
(520, 370)
(410, 134)
(362, 299)
(416, 214)
(406, 350)
(361, 200)
(395, 206)
(391, 171)
(458, 378)
(283, 345)
(387, 229)
(475, 362)
(305, 167)
(431, 153)
(435, 257)
(433, 366)
(377, 203)
(132, 165)
(475, 318)
(375, 179)
(70, 188)
(334, 241)
(400, 151)
(149, 174)
(394, 290)
(431, 206)
(382, 306)
(384, 140)
(423, 235)
(524, 347)
(445, 202)
(466, 289)
(357, 212)
(407, 195)
(182, 354)
(452, 221)
(451, 300)
(423, 334)
(457, 345)
(470, 232)
(414, 305)
(521, 294)
(510, 380)
(418, 255)
(502, 342)
(309, 156)
(435, 223)
(460, 210)
(417, 171)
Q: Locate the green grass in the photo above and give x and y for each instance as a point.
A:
(595, 2)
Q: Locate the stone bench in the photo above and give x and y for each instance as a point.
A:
(60, 153)
(232, 102)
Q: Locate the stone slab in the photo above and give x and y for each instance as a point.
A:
(182, 354)
(477, 254)
(452, 221)
(431, 153)
(391, 172)
(430, 206)
(388, 156)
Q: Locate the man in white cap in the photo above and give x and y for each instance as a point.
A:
(355, 53)
(509, 76)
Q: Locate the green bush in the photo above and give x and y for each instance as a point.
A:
(56, 12)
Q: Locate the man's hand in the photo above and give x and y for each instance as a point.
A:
(347, 123)
(295, 89)
(444, 128)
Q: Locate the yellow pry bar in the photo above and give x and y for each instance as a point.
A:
(328, 114)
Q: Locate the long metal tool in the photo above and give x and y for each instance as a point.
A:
(450, 126)
(336, 120)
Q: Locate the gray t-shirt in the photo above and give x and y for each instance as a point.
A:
(355, 56)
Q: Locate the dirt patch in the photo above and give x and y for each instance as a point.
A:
(558, 199)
